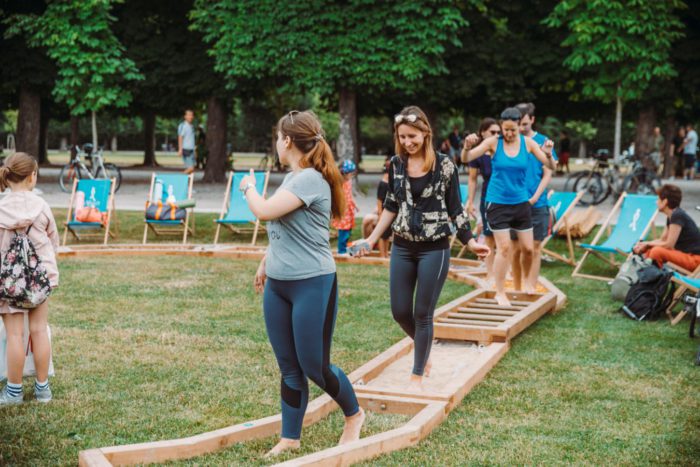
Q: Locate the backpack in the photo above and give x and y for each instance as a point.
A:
(651, 295)
(627, 276)
(24, 282)
(165, 211)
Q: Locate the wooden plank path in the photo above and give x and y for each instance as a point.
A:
(472, 333)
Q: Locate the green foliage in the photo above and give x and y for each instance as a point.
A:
(77, 35)
(618, 46)
(582, 130)
(328, 45)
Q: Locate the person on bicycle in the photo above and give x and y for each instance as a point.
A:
(508, 199)
(537, 178)
(680, 241)
(186, 141)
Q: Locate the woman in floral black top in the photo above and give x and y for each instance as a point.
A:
(424, 204)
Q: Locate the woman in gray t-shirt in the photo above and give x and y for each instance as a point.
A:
(298, 275)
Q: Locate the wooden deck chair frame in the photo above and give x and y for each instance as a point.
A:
(183, 228)
(681, 289)
(226, 206)
(563, 221)
(110, 215)
(606, 226)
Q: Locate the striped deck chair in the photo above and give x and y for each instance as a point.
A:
(563, 204)
(180, 185)
(235, 214)
(98, 194)
(637, 214)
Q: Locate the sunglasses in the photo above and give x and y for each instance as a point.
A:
(494, 132)
(410, 118)
(291, 115)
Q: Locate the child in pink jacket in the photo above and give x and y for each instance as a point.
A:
(20, 209)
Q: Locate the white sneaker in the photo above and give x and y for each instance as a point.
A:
(7, 399)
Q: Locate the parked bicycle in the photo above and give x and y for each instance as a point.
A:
(606, 178)
(97, 168)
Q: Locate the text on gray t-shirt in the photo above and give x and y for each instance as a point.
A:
(299, 241)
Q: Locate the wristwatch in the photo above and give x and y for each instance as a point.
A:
(248, 185)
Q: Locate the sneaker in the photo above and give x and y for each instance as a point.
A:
(7, 399)
(43, 395)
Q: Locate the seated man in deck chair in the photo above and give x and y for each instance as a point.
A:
(680, 240)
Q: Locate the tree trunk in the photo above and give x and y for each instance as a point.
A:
(149, 139)
(644, 140)
(618, 126)
(94, 131)
(43, 155)
(28, 122)
(74, 134)
(347, 136)
(582, 149)
(215, 170)
(669, 160)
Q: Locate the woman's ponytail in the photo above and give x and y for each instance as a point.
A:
(304, 129)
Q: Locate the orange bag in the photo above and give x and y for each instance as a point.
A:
(89, 214)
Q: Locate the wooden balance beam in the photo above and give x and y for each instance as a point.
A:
(459, 364)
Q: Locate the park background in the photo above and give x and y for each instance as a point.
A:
(160, 349)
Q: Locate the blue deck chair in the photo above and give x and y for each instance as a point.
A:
(464, 192)
(562, 203)
(180, 186)
(98, 194)
(235, 214)
(637, 214)
(684, 283)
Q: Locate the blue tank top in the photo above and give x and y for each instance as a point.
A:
(507, 184)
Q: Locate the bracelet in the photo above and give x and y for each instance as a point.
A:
(247, 187)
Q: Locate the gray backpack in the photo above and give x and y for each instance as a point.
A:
(627, 276)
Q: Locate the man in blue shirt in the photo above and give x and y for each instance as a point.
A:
(538, 177)
(186, 141)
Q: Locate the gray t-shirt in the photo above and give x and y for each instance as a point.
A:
(299, 241)
(691, 146)
(186, 130)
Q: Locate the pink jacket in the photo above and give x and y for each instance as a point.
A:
(19, 210)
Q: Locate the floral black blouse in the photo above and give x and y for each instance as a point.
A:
(437, 213)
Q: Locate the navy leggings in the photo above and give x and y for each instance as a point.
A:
(300, 316)
(422, 274)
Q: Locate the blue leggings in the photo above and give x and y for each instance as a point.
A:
(422, 274)
(300, 316)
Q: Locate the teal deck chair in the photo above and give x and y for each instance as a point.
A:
(235, 214)
(98, 194)
(464, 192)
(684, 283)
(562, 203)
(637, 214)
(180, 186)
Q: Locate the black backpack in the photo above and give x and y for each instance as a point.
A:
(649, 298)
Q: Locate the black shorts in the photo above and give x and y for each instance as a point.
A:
(482, 209)
(509, 216)
(689, 160)
(541, 224)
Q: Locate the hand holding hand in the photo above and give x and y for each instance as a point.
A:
(479, 249)
(470, 141)
(361, 248)
(471, 211)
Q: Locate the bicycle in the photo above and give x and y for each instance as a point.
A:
(76, 169)
(606, 178)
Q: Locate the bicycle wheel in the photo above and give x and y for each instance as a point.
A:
(595, 189)
(641, 184)
(114, 172)
(571, 179)
(68, 174)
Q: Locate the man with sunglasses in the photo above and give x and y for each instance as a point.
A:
(538, 177)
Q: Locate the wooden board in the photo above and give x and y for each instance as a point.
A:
(478, 319)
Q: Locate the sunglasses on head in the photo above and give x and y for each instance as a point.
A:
(410, 118)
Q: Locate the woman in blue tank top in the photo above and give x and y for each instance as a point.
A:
(507, 195)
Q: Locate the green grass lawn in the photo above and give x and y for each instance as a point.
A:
(148, 349)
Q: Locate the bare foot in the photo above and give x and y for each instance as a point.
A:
(353, 426)
(502, 299)
(415, 384)
(285, 444)
(428, 367)
(529, 289)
